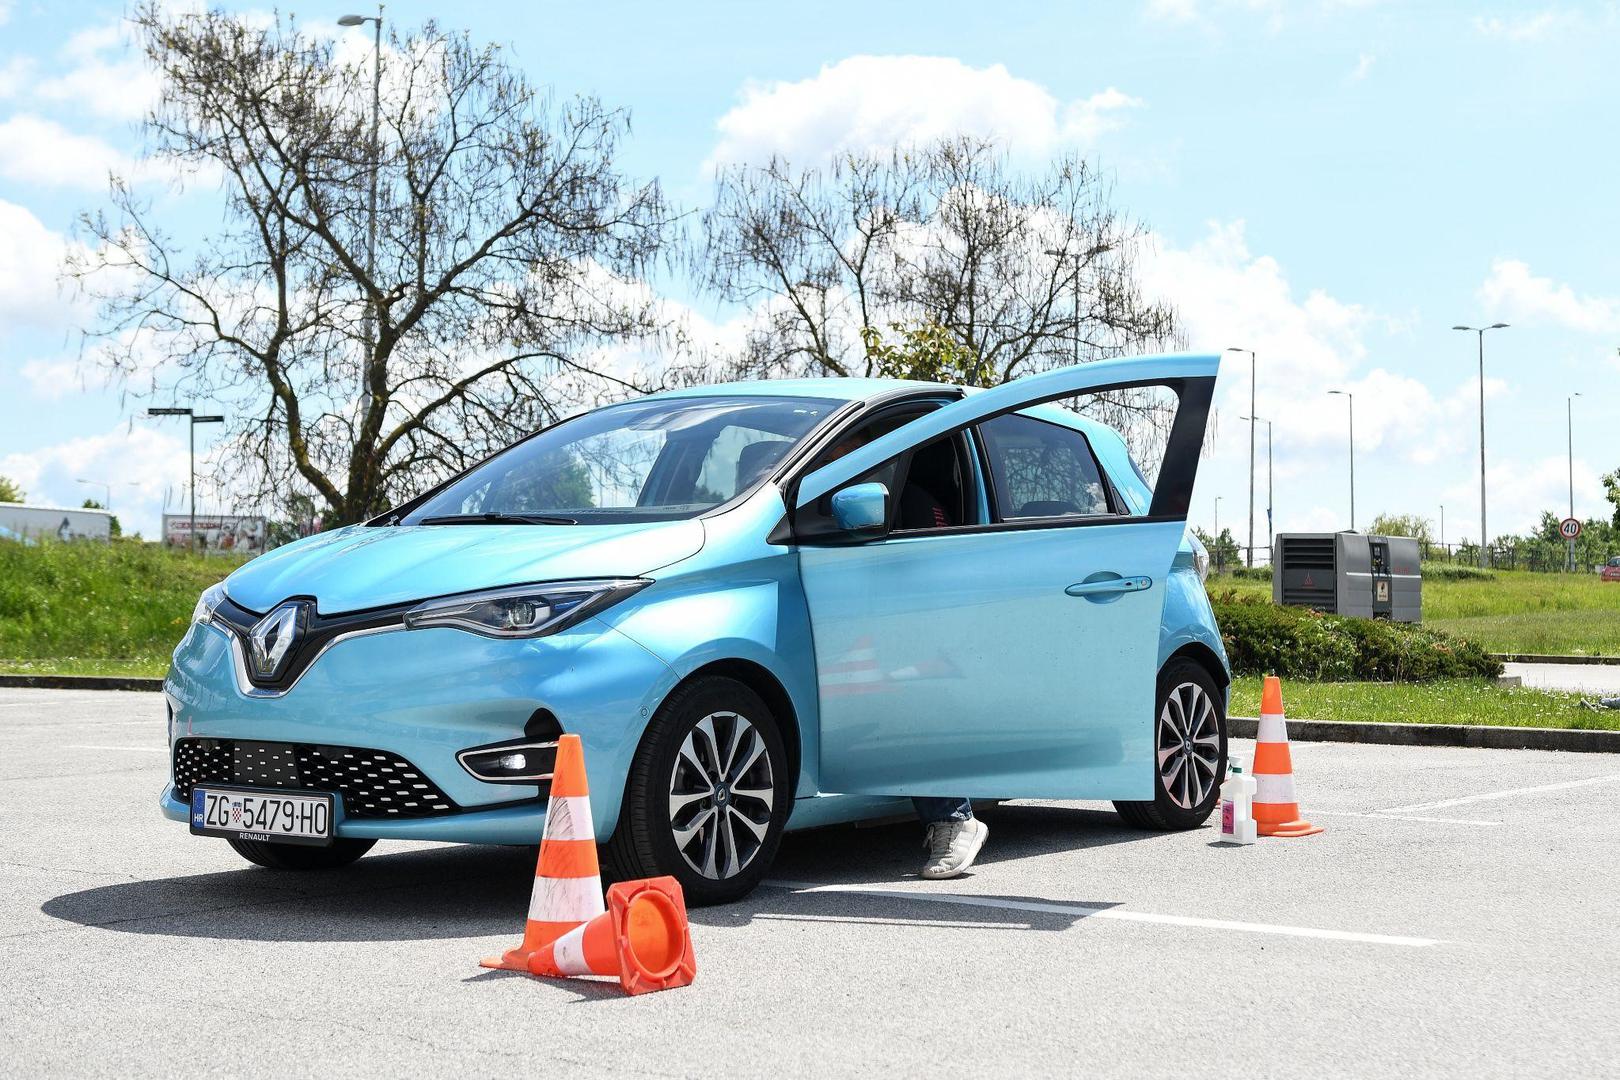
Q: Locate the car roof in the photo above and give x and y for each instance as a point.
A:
(836, 389)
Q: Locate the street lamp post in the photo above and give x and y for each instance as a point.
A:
(1443, 530)
(191, 525)
(1569, 405)
(371, 203)
(1484, 542)
(100, 484)
(1351, 398)
(1270, 516)
(1251, 418)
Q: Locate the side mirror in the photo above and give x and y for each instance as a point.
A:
(861, 508)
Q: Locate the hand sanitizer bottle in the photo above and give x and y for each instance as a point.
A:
(1237, 804)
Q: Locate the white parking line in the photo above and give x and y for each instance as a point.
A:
(1089, 912)
(1386, 815)
(142, 749)
(1502, 794)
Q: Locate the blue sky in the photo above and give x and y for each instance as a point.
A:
(1334, 183)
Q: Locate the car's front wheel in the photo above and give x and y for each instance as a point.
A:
(708, 794)
(300, 856)
(1189, 761)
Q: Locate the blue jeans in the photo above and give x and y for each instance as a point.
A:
(932, 811)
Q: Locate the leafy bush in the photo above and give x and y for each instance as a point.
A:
(1252, 573)
(1263, 638)
(1449, 572)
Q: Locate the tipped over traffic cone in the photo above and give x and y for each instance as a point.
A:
(1276, 807)
(567, 881)
(643, 938)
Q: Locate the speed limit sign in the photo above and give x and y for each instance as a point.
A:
(1569, 528)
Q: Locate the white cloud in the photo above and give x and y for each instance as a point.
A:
(876, 102)
(30, 270)
(34, 150)
(1363, 67)
(1531, 27)
(1513, 292)
(142, 464)
(105, 75)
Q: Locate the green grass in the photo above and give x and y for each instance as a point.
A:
(1452, 701)
(97, 609)
(1514, 612)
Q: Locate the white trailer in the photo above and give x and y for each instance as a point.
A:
(22, 521)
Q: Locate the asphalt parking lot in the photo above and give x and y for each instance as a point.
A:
(1456, 918)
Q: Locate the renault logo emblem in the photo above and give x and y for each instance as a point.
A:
(272, 638)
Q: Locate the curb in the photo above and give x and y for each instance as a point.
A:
(1544, 658)
(80, 682)
(1576, 740)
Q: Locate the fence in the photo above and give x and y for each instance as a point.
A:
(1543, 557)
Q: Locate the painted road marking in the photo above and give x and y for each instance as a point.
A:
(1089, 912)
(1385, 815)
(1503, 794)
(142, 749)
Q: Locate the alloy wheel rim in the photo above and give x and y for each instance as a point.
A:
(1189, 745)
(721, 795)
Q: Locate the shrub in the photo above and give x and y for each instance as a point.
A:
(1252, 573)
(1449, 572)
(1263, 638)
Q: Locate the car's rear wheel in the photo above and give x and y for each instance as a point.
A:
(300, 856)
(708, 794)
(1189, 761)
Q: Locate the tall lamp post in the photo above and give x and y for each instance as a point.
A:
(1351, 398)
(1270, 517)
(371, 203)
(1443, 530)
(1251, 420)
(108, 485)
(191, 525)
(1569, 405)
(1484, 541)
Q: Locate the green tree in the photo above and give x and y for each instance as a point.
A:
(927, 352)
(1418, 528)
(1223, 549)
(1611, 491)
(113, 527)
(10, 491)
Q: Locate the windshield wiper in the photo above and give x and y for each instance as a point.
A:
(498, 519)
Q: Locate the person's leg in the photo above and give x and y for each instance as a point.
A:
(954, 835)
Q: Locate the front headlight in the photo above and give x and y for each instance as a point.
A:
(207, 603)
(522, 611)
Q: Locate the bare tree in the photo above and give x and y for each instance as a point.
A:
(507, 255)
(1026, 271)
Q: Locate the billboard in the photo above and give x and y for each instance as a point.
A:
(220, 534)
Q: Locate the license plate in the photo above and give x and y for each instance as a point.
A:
(277, 816)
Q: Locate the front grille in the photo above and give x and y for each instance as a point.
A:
(373, 783)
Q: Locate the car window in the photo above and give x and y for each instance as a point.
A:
(656, 459)
(1042, 470)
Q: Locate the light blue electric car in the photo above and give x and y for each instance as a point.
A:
(762, 606)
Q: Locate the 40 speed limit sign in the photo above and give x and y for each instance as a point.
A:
(1569, 528)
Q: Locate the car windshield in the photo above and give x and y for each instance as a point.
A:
(653, 460)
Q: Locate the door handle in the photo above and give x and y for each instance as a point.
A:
(1109, 585)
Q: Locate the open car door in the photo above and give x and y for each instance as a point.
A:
(1012, 657)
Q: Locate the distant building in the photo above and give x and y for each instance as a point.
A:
(27, 522)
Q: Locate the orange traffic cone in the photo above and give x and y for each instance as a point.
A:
(1276, 808)
(643, 938)
(567, 881)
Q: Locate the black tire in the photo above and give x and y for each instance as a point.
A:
(1177, 803)
(645, 844)
(300, 856)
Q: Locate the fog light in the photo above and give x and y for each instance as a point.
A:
(525, 762)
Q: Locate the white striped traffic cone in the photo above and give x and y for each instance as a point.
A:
(567, 880)
(1276, 807)
(643, 939)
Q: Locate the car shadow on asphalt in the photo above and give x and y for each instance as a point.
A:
(478, 891)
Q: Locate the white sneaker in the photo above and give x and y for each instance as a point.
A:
(952, 846)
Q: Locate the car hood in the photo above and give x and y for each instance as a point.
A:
(362, 567)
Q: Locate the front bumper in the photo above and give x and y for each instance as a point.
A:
(426, 694)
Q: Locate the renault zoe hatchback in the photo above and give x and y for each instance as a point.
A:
(761, 606)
